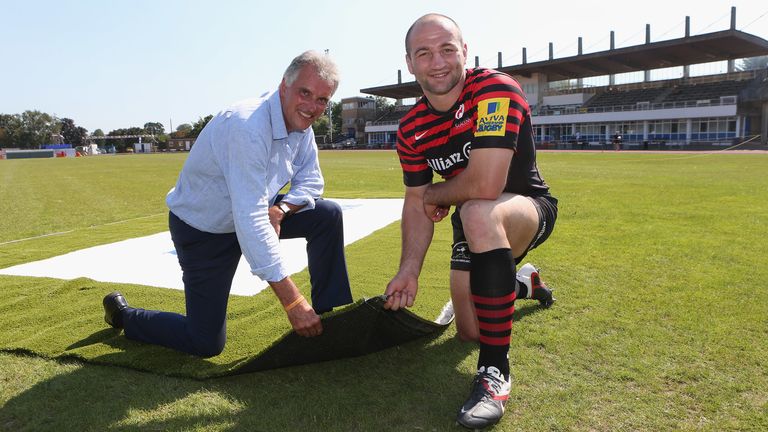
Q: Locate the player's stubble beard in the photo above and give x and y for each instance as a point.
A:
(440, 90)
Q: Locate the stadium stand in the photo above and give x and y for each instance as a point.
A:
(706, 91)
(393, 116)
(714, 111)
(625, 97)
(382, 132)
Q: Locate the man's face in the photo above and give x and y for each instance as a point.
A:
(305, 100)
(437, 57)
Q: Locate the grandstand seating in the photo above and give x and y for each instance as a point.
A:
(595, 131)
(391, 116)
(625, 97)
(706, 91)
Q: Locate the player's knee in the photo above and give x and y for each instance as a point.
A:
(467, 330)
(468, 334)
(476, 217)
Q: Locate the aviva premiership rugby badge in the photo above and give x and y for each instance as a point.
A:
(492, 117)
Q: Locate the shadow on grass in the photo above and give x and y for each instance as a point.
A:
(414, 386)
(523, 308)
(101, 336)
(364, 327)
(89, 398)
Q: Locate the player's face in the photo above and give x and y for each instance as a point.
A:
(437, 57)
(305, 100)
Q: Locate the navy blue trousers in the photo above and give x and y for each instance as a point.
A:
(209, 261)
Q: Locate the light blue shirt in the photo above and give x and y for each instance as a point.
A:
(237, 166)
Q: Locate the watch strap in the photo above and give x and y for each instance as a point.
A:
(284, 207)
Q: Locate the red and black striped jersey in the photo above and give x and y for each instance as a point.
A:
(491, 112)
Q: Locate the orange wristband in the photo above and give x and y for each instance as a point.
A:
(294, 303)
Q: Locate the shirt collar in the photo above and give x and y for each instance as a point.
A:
(276, 113)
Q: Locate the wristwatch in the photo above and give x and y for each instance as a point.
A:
(284, 207)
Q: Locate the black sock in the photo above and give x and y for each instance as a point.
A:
(492, 282)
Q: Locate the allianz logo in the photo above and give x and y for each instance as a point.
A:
(444, 163)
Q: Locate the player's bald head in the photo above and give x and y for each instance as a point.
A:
(447, 22)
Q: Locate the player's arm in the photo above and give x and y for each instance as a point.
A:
(501, 109)
(484, 178)
(416, 231)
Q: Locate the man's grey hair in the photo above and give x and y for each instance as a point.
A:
(325, 67)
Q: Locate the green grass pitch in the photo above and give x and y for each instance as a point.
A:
(658, 261)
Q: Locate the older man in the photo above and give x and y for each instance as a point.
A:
(503, 205)
(226, 204)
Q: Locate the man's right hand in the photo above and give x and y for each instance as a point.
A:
(401, 291)
(304, 320)
(302, 317)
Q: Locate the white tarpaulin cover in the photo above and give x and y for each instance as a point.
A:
(151, 260)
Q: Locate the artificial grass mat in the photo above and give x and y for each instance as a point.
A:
(62, 319)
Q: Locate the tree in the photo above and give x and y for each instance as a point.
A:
(37, 129)
(383, 104)
(753, 63)
(98, 133)
(72, 134)
(8, 123)
(154, 128)
(124, 143)
(320, 127)
(158, 130)
(5, 119)
(336, 117)
(182, 131)
(199, 125)
(162, 141)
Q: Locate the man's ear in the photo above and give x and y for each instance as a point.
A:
(408, 62)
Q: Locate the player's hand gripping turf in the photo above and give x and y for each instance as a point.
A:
(436, 213)
(305, 321)
(401, 292)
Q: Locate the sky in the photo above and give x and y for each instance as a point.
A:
(120, 64)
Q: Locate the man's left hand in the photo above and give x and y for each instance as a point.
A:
(275, 218)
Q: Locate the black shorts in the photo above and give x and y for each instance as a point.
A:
(545, 205)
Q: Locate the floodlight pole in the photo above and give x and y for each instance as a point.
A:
(330, 111)
(330, 120)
